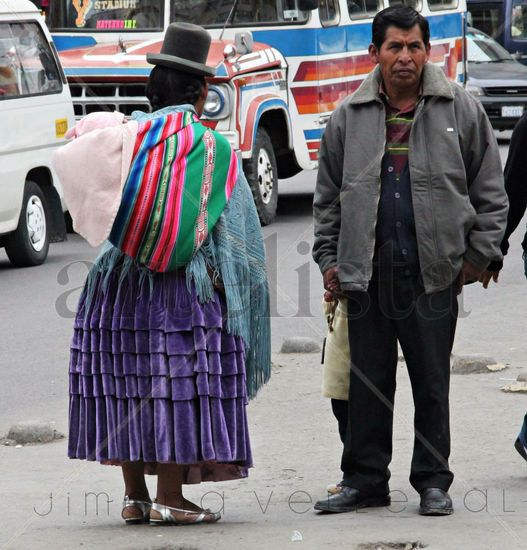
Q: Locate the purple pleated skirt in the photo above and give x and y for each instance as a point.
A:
(155, 377)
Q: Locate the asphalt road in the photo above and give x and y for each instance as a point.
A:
(48, 500)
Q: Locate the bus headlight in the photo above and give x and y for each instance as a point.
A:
(217, 104)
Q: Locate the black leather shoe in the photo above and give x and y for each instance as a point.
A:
(435, 502)
(348, 500)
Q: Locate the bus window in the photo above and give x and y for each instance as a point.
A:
(519, 21)
(486, 19)
(442, 4)
(363, 8)
(291, 13)
(416, 4)
(105, 15)
(255, 11)
(328, 12)
(214, 13)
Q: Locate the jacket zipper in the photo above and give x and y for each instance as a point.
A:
(431, 204)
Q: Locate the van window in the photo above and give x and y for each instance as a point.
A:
(27, 64)
(442, 4)
(328, 12)
(363, 8)
(214, 13)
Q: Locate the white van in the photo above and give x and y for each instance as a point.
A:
(35, 113)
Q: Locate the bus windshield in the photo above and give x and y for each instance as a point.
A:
(214, 13)
(106, 15)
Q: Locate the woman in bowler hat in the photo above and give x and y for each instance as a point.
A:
(171, 337)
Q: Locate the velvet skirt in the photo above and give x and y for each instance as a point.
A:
(155, 377)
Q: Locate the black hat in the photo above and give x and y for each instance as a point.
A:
(185, 47)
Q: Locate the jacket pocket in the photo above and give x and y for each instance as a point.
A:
(454, 219)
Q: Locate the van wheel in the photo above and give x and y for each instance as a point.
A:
(29, 244)
(262, 174)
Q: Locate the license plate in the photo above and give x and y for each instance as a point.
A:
(512, 111)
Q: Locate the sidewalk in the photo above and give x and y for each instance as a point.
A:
(297, 453)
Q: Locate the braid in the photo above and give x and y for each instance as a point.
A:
(192, 92)
(155, 102)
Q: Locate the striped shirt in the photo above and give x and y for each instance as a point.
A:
(398, 126)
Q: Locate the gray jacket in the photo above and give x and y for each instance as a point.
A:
(459, 201)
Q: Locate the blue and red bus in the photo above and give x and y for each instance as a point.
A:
(282, 66)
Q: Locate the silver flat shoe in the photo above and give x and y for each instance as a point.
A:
(162, 515)
(142, 505)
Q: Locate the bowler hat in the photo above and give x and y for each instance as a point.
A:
(185, 47)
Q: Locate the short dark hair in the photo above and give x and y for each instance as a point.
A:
(400, 16)
(172, 87)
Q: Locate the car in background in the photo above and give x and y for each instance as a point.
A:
(496, 79)
(35, 112)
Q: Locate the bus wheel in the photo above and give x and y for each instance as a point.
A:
(29, 244)
(262, 174)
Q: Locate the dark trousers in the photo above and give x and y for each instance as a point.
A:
(424, 325)
(340, 411)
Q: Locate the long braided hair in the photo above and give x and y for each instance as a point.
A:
(172, 87)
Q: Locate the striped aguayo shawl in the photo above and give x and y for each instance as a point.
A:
(181, 177)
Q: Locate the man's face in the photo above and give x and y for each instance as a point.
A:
(402, 56)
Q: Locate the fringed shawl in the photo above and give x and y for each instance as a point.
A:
(234, 253)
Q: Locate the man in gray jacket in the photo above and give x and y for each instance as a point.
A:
(409, 206)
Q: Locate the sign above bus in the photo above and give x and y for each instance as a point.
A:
(105, 15)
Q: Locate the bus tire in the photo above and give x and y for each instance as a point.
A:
(29, 244)
(262, 174)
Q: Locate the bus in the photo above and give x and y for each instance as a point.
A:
(282, 67)
(503, 20)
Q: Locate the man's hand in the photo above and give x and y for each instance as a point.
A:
(469, 274)
(487, 275)
(331, 280)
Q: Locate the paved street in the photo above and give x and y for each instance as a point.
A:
(46, 500)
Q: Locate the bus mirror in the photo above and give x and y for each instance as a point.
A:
(243, 42)
(307, 5)
(469, 19)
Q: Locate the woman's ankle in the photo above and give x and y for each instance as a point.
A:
(139, 495)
